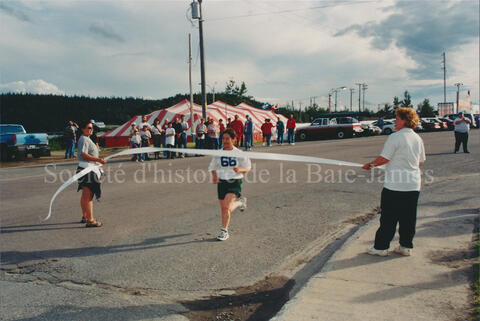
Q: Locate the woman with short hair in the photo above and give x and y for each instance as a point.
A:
(89, 184)
(403, 154)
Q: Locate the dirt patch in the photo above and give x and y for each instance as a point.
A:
(258, 302)
(362, 219)
(454, 259)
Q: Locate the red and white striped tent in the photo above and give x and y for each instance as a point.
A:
(218, 110)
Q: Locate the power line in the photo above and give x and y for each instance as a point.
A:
(336, 4)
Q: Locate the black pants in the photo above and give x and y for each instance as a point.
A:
(461, 138)
(397, 207)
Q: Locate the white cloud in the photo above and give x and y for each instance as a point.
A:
(289, 55)
(37, 86)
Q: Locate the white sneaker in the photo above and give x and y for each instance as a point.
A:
(403, 250)
(263, 144)
(374, 251)
(243, 203)
(223, 236)
(293, 143)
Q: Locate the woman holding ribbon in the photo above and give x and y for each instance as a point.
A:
(403, 154)
(89, 184)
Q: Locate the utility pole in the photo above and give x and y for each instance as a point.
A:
(192, 127)
(444, 67)
(335, 91)
(458, 84)
(329, 103)
(359, 95)
(197, 14)
(351, 96)
(364, 87)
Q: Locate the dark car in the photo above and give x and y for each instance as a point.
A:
(449, 123)
(443, 124)
(430, 125)
(324, 128)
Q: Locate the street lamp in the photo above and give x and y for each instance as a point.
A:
(212, 89)
(335, 90)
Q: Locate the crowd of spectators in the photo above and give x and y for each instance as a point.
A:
(173, 134)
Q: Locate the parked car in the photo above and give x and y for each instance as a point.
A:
(477, 120)
(430, 125)
(16, 143)
(388, 126)
(443, 124)
(369, 129)
(449, 122)
(324, 127)
(473, 123)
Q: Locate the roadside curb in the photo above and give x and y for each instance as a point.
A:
(345, 242)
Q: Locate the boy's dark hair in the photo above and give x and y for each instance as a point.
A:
(230, 132)
(84, 123)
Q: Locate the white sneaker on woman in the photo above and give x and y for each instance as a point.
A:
(243, 203)
(223, 236)
(403, 250)
(374, 251)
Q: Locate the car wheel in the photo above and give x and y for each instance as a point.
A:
(20, 155)
(387, 131)
(340, 134)
(4, 154)
(302, 135)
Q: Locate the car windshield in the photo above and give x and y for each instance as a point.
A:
(11, 129)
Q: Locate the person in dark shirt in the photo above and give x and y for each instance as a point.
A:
(177, 125)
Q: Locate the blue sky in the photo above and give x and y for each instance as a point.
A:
(283, 50)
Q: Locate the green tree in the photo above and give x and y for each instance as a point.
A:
(425, 109)
(407, 101)
(386, 111)
(396, 102)
(233, 89)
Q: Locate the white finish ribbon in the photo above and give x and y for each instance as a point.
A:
(207, 152)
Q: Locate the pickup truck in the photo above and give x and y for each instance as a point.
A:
(325, 127)
(16, 143)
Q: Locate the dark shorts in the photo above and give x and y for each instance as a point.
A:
(91, 181)
(233, 186)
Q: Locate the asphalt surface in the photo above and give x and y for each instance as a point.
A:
(157, 246)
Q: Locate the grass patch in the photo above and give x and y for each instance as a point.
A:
(476, 280)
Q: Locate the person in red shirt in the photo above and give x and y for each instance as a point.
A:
(222, 128)
(291, 125)
(267, 132)
(237, 126)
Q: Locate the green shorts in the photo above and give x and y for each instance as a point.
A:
(233, 186)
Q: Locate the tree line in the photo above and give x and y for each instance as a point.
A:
(50, 113)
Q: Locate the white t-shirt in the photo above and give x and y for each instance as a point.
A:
(213, 131)
(145, 124)
(463, 127)
(136, 139)
(145, 133)
(170, 140)
(224, 165)
(157, 130)
(404, 150)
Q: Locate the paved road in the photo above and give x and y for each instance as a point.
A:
(158, 238)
